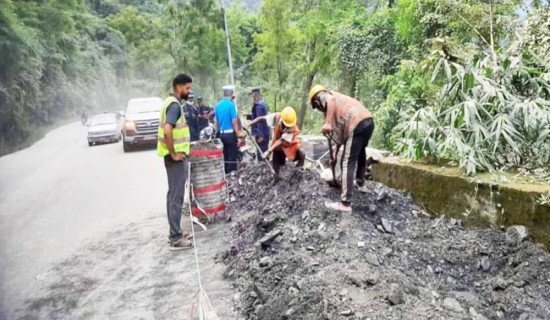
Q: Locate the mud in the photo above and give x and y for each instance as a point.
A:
(290, 258)
(130, 274)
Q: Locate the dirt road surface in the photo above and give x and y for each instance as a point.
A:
(83, 236)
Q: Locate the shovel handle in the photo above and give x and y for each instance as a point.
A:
(258, 148)
(332, 160)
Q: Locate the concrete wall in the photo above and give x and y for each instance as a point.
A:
(476, 201)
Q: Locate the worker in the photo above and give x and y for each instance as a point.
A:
(173, 145)
(260, 130)
(192, 117)
(285, 142)
(227, 124)
(204, 113)
(349, 124)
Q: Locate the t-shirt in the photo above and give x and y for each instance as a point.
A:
(225, 113)
(173, 113)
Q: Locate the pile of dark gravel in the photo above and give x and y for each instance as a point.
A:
(292, 259)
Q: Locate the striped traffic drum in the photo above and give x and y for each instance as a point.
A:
(208, 177)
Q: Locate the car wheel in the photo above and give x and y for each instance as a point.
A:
(90, 144)
(126, 146)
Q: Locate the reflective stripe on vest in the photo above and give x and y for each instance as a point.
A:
(180, 133)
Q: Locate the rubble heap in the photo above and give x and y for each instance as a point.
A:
(292, 259)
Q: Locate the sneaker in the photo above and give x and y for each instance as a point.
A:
(182, 244)
(337, 207)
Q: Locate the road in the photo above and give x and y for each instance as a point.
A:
(76, 221)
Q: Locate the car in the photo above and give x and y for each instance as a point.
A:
(141, 122)
(104, 128)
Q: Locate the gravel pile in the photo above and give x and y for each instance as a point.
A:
(290, 258)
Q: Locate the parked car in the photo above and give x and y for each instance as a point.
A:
(104, 128)
(141, 122)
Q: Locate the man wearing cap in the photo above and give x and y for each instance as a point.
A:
(349, 124)
(204, 113)
(260, 130)
(192, 117)
(227, 123)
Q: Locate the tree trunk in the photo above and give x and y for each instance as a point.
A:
(305, 100)
(494, 56)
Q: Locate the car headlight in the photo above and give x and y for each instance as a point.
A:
(130, 125)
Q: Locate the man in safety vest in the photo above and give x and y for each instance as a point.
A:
(174, 145)
(285, 142)
(351, 126)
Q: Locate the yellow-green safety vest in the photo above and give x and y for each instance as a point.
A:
(180, 134)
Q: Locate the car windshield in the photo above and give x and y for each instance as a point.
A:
(144, 106)
(99, 120)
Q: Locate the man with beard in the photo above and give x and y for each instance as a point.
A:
(174, 145)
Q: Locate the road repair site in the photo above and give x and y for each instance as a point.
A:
(278, 253)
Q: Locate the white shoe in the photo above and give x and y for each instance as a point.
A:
(337, 207)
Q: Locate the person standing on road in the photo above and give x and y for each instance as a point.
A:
(260, 130)
(286, 143)
(173, 145)
(351, 125)
(227, 124)
(192, 116)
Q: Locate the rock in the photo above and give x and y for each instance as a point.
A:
(500, 314)
(372, 208)
(347, 313)
(305, 215)
(485, 264)
(516, 234)
(372, 259)
(396, 296)
(381, 195)
(361, 244)
(475, 315)
(499, 284)
(237, 296)
(310, 248)
(265, 262)
(261, 293)
(232, 199)
(452, 305)
(269, 237)
(386, 224)
(258, 308)
(301, 284)
(344, 292)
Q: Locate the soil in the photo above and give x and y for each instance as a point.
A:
(290, 258)
(130, 274)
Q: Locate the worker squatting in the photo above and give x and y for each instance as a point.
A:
(348, 125)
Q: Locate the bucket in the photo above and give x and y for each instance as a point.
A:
(208, 177)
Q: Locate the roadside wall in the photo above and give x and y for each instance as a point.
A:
(475, 201)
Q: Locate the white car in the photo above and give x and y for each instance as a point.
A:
(141, 122)
(104, 128)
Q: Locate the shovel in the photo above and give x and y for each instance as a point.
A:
(258, 148)
(332, 160)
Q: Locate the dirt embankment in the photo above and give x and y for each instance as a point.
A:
(291, 259)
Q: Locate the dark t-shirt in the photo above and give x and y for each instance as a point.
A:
(173, 113)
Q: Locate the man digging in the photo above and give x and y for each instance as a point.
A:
(350, 125)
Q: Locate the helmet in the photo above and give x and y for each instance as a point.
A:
(315, 90)
(288, 115)
(207, 132)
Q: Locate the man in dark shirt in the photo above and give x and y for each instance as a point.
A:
(260, 131)
(192, 117)
(176, 164)
(204, 114)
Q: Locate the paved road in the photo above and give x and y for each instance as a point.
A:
(60, 196)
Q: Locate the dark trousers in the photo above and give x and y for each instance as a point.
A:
(230, 151)
(355, 158)
(279, 159)
(177, 176)
(263, 144)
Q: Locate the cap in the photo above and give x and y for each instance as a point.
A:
(257, 90)
(191, 94)
(228, 89)
(199, 99)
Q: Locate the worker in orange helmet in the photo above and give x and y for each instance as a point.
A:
(347, 123)
(285, 144)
